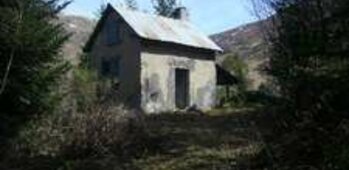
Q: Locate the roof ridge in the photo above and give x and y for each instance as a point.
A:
(160, 28)
(149, 14)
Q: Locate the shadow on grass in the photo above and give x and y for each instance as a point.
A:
(226, 141)
(177, 141)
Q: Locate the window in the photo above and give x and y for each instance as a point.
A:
(111, 67)
(112, 32)
(116, 67)
(105, 68)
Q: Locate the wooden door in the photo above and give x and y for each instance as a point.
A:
(182, 88)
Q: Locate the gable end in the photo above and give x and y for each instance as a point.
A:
(100, 25)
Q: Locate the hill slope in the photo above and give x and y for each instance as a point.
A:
(80, 29)
(247, 42)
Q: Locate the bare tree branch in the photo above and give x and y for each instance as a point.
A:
(4, 80)
(7, 72)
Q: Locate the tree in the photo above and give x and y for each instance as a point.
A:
(238, 68)
(99, 13)
(31, 63)
(164, 7)
(131, 4)
(309, 60)
(310, 64)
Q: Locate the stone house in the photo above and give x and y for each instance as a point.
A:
(161, 64)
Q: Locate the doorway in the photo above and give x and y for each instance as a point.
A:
(182, 88)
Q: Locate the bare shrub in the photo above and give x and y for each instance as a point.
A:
(90, 129)
(103, 130)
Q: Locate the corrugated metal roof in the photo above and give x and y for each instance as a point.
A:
(164, 29)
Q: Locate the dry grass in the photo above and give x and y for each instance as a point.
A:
(218, 140)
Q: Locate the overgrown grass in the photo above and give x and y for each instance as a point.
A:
(226, 141)
(246, 139)
(110, 137)
(165, 141)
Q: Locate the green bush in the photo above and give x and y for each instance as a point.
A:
(238, 68)
(84, 88)
(234, 96)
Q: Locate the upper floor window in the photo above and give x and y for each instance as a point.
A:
(112, 32)
(106, 67)
(116, 67)
(111, 67)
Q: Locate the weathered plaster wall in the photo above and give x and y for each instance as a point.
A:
(128, 52)
(158, 66)
(147, 70)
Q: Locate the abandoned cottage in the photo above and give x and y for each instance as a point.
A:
(161, 64)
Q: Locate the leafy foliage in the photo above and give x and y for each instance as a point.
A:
(84, 88)
(237, 67)
(234, 96)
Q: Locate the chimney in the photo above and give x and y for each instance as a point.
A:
(181, 13)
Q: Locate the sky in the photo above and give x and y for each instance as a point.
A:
(211, 16)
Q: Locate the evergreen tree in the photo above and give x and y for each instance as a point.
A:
(310, 64)
(31, 63)
(99, 13)
(164, 7)
(310, 54)
(131, 4)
